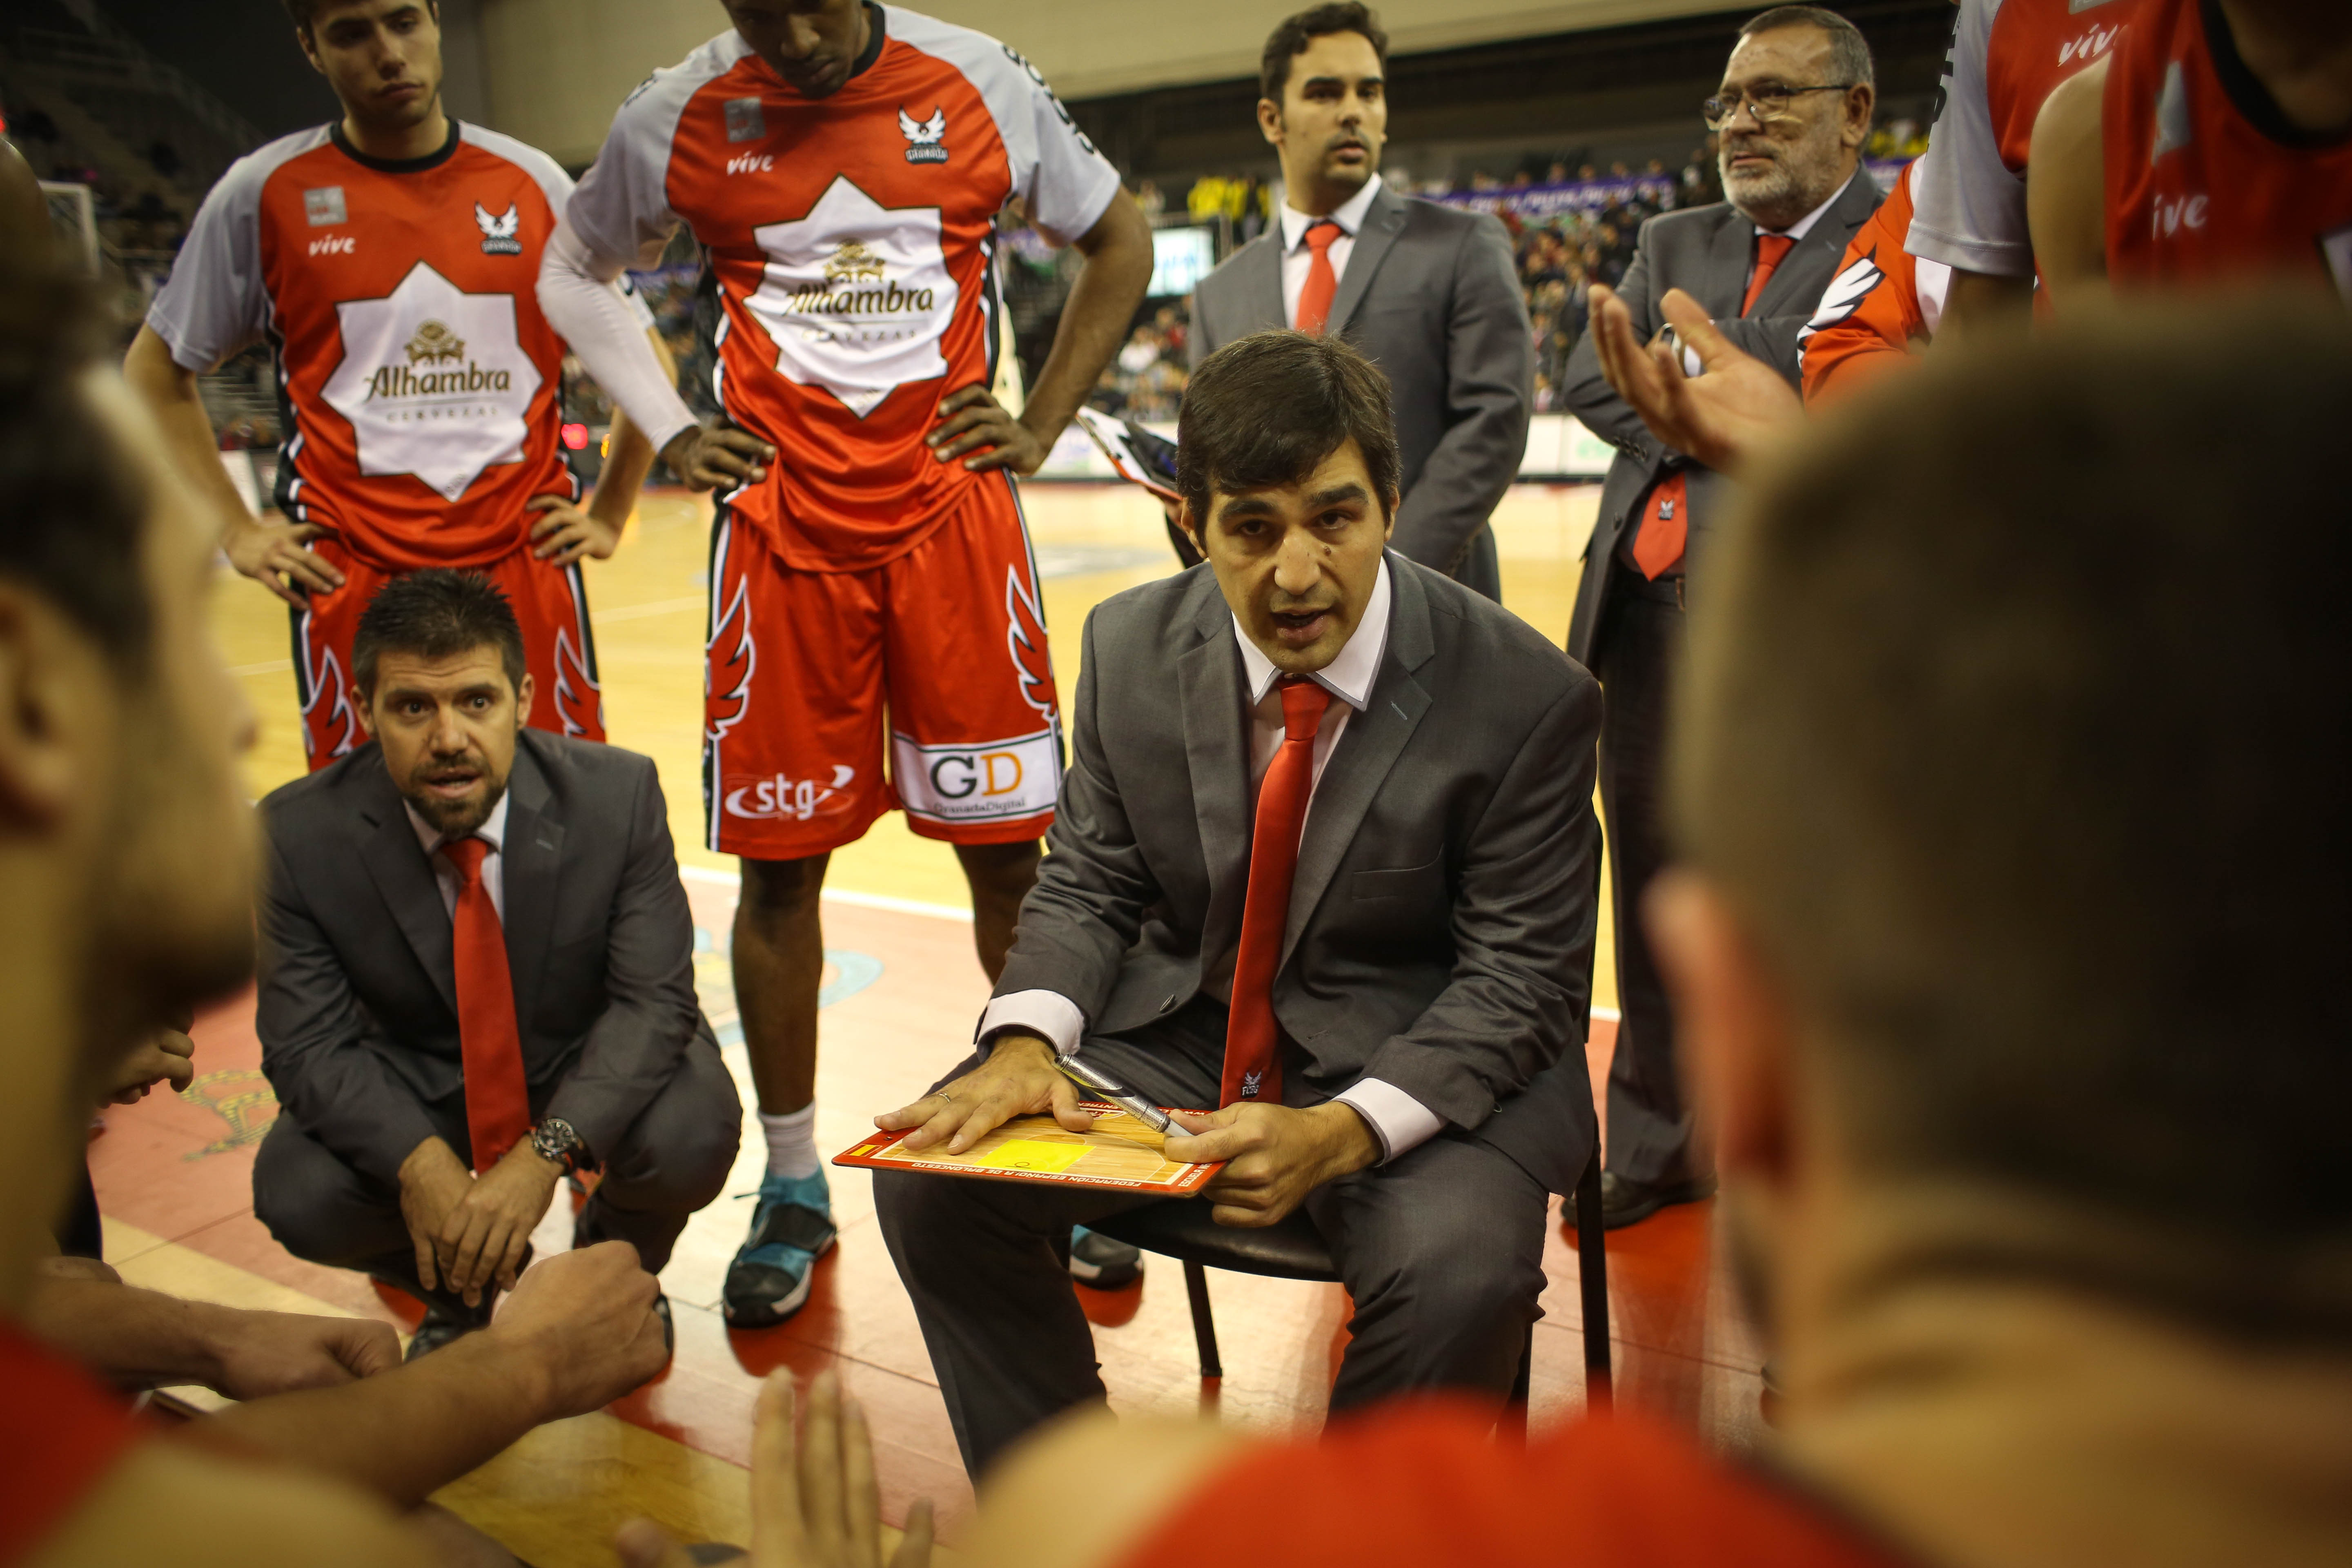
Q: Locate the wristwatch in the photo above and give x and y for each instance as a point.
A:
(558, 1141)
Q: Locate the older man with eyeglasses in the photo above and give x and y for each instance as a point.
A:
(1791, 116)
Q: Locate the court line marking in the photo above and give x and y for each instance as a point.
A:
(656, 607)
(267, 667)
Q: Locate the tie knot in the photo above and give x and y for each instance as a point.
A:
(1303, 702)
(1771, 247)
(1321, 235)
(468, 855)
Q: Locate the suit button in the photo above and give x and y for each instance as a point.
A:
(1167, 1006)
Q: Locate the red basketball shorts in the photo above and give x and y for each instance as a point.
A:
(550, 602)
(947, 642)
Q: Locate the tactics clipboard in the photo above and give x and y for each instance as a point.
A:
(1117, 1153)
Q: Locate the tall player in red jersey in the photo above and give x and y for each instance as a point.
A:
(1969, 196)
(2214, 147)
(842, 165)
(1882, 304)
(391, 261)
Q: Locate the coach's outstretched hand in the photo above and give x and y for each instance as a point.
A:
(275, 554)
(1018, 1078)
(1721, 417)
(814, 1502)
(705, 456)
(1275, 1155)
(973, 420)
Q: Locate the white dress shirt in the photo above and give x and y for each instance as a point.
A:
(1296, 258)
(1397, 1120)
(492, 832)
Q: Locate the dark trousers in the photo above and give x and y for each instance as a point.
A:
(1441, 1250)
(1638, 649)
(671, 1162)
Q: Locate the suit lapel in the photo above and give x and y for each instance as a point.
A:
(1261, 268)
(1357, 766)
(1830, 233)
(396, 864)
(532, 858)
(1383, 221)
(1726, 265)
(1216, 744)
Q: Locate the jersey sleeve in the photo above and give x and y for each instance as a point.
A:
(1969, 206)
(1068, 182)
(215, 301)
(621, 208)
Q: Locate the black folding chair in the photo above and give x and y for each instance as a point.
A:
(1181, 1229)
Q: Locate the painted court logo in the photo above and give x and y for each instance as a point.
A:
(923, 140)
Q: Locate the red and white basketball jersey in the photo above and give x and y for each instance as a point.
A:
(422, 383)
(2006, 56)
(1882, 300)
(2207, 182)
(850, 238)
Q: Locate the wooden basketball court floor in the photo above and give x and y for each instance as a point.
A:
(902, 988)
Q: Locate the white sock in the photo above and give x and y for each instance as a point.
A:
(791, 1143)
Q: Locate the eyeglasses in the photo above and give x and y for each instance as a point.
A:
(1770, 102)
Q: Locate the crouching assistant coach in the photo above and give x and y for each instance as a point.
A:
(1389, 1005)
(477, 975)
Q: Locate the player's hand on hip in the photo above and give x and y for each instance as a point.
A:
(564, 533)
(585, 1319)
(1274, 1156)
(1018, 1078)
(261, 1353)
(484, 1236)
(815, 1500)
(973, 420)
(707, 456)
(273, 554)
(432, 1182)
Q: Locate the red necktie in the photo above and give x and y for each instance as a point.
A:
(1315, 294)
(498, 1099)
(1665, 531)
(1253, 1069)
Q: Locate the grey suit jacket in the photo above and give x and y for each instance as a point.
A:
(1440, 935)
(1432, 296)
(1704, 252)
(358, 1012)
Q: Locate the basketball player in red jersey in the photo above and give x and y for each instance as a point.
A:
(1882, 304)
(842, 165)
(390, 259)
(2214, 147)
(1969, 199)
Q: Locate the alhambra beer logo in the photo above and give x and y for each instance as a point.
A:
(855, 285)
(436, 345)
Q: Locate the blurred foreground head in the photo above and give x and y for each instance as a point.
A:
(2023, 776)
(125, 841)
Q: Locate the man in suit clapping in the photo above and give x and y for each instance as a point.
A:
(1387, 1005)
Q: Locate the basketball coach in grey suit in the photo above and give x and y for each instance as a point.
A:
(1792, 115)
(1428, 293)
(1412, 970)
(371, 1013)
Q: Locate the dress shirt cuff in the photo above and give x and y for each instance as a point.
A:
(1401, 1122)
(1048, 1015)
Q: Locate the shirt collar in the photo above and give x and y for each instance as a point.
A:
(492, 832)
(1349, 217)
(1804, 226)
(1348, 677)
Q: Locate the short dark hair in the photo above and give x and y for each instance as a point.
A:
(1291, 37)
(436, 613)
(1267, 408)
(73, 511)
(305, 12)
(1849, 50)
(2027, 758)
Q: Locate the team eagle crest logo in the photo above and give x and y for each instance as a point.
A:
(499, 236)
(923, 140)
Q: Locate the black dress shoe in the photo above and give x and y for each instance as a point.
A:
(440, 1327)
(1625, 1202)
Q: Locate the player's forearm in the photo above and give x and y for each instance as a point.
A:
(629, 455)
(136, 1338)
(1095, 321)
(170, 391)
(1980, 303)
(580, 304)
(405, 1433)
